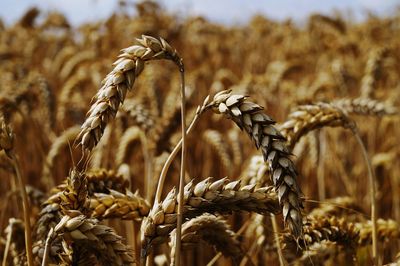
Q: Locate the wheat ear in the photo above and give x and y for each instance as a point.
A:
(206, 196)
(372, 71)
(306, 118)
(365, 106)
(116, 84)
(310, 117)
(76, 227)
(211, 229)
(215, 139)
(127, 206)
(259, 126)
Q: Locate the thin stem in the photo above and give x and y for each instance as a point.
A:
(45, 260)
(8, 243)
(173, 154)
(282, 261)
(25, 206)
(148, 159)
(372, 187)
(321, 166)
(182, 173)
(131, 233)
(219, 254)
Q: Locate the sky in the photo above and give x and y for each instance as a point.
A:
(222, 11)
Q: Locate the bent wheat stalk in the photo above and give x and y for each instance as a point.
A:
(200, 110)
(310, 117)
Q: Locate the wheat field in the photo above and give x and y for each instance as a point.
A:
(157, 140)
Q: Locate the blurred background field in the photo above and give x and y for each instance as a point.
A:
(326, 71)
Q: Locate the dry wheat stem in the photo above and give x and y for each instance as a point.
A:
(25, 206)
(259, 126)
(282, 261)
(182, 171)
(56, 147)
(7, 144)
(320, 135)
(49, 239)
(372, 190)
(8, 243)
(175, 151)
(131, 134)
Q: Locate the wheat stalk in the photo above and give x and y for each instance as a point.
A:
(7, 144)
(58, 145)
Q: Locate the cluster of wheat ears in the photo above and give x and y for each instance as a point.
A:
(117, 170)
